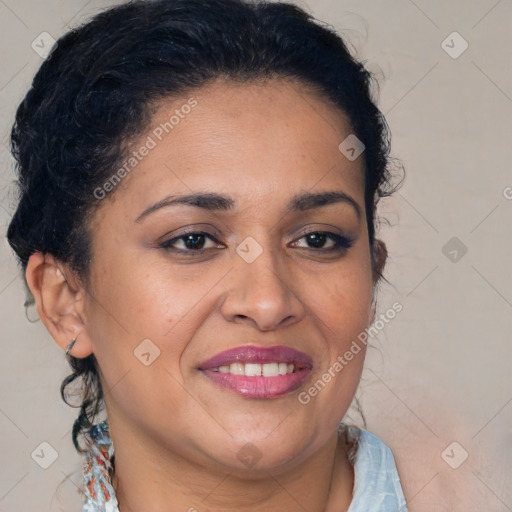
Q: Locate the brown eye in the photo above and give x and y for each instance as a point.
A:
(316, 240)
(192, 242)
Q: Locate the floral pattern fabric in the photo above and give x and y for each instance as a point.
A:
(100, 495)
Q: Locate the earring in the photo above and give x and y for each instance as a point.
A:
(70, 346)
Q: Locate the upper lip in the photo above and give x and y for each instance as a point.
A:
(255, 354)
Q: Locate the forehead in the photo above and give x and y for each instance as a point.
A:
(249, 140)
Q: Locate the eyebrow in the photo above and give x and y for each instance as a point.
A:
(217, 202)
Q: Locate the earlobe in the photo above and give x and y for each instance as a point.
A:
(60, 302)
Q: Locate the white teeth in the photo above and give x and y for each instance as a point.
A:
(270, 369)
(257, 369)
(237, 369)
(252, 369)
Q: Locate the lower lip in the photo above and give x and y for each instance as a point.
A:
(259, 387)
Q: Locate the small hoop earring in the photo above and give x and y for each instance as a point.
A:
(70, 346)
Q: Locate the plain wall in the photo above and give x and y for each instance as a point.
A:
(439, 372)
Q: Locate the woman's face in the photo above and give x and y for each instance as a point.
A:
(258, 273)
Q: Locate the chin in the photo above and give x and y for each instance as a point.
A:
(255, 451)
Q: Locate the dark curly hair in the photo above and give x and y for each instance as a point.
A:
(96, 93)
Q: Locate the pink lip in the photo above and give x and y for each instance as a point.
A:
(259, 387)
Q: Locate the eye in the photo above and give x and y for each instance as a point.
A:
(317, 239)
(191, 242)
(196, 242)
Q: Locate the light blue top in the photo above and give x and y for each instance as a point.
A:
(376, 482)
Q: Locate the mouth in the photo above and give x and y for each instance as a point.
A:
(258, 372)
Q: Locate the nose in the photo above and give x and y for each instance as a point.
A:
(262, 293)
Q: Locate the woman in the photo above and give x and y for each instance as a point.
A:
(199, 183)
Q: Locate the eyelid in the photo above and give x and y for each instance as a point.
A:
(210, 230)
(320, 228)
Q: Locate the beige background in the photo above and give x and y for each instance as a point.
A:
(440, 372)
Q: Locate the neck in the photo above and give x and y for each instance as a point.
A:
(150, 478)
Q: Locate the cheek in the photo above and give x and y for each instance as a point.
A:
(136, 313)
(136, 301)
(142, 299)
(341, 301)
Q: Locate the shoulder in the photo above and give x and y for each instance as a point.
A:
(377, 485)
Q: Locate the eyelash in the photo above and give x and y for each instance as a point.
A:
(342, 242)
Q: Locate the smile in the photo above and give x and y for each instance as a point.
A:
(258, 372)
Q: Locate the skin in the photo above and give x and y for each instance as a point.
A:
(177, 434)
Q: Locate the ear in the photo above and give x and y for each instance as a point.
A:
(60, 301)
(379, 257)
